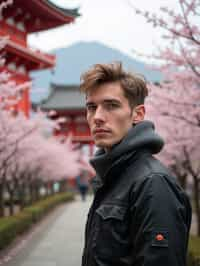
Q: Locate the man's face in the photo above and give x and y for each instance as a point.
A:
(109, 114)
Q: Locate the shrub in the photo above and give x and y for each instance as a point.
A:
(11, 227)
(194, 251)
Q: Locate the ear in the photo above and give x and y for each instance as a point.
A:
(138, 114)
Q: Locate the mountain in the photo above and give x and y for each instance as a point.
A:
(73, 60)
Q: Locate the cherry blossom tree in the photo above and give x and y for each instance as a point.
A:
(176, 116)
(174, 105)
(28, 157)
(180, 57)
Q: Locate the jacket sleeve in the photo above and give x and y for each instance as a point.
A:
(160, 222)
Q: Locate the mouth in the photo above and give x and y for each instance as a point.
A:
(100, 131)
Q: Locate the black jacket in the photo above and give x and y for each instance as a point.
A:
(140, 216)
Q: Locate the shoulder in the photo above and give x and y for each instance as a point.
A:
(156, 190)
(146, 167)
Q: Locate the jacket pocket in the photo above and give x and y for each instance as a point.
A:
(111, 211)
(111, 231)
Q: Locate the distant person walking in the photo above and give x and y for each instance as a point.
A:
(82, 184)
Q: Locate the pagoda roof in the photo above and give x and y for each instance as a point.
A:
(40, 15)
(38, 59)
(64, 97)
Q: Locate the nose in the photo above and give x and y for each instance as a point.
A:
(99, 115)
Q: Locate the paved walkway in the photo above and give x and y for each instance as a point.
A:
(57, 241)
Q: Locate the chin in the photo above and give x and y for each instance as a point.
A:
(103, 145)
(106, 143)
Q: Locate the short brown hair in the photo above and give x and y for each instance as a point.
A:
(133, 85)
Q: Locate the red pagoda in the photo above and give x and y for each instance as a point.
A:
(68, 102)
(16, 22)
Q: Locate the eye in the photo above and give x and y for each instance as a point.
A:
(91, 108)
(111, 106)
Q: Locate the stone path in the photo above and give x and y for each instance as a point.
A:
(56, 241)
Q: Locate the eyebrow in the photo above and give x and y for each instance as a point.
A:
(104, 101)
(89, 103)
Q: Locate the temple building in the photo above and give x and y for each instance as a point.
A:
(68, 102)
(16, 22)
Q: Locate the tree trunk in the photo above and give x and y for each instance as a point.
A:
(11, 202)
(2, 205)
(183, 180)
(22, 195)
(197, 203)
(50, 187)
(182, 177)
(63, 185)
(10, 188)
(31, 191)
(37, 189)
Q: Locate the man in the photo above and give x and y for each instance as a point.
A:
(139, 216)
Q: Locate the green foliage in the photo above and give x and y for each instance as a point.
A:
(12, 226)
(40, 208)
(194, 251)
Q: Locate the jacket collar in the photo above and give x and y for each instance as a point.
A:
(140, 137)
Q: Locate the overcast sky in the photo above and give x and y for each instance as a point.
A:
(111, 22)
